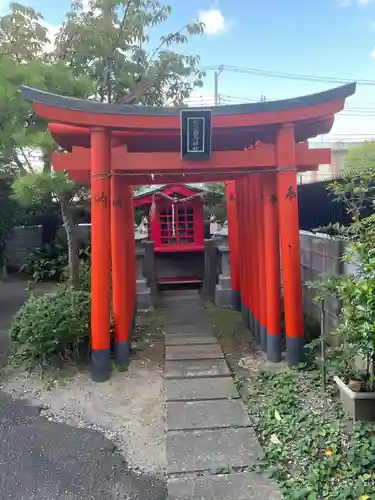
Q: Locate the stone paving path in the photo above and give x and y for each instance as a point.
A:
(210, 442)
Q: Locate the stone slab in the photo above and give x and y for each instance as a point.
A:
(191, 331)
(181, 313)
(194, 451)
(241, 486)
(187, 329)
(181, 352)
(200, 388)
(190, 415)
(196, 368)
(179, 339)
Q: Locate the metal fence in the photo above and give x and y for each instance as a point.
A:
(318, 208)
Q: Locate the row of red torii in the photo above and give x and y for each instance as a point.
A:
(258, 149)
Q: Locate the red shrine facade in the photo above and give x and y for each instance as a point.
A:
(257, 148)
(176, 228)
(175, 217)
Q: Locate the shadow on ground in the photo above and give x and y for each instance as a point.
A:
(42, 460)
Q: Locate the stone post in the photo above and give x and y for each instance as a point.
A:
(149, 266)
(223, 291)
(210, 270)
(143, 298)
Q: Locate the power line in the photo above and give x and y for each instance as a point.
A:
(234, 99)
(205, 100)
(289, 76)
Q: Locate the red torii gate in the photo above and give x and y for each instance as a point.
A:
(258, 148)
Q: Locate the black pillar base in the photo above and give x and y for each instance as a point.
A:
(256, 331)
(236, 300)
(295, 350)
(122, 352)
(251, 323)
(134, 317)
(263, 337)
(243, 313)
(100, 368)
(247, 319)
(274, 348)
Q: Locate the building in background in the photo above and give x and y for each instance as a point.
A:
(339, 152)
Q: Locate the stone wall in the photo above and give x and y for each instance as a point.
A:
(321, 256)
(22, 242)
(25, 240)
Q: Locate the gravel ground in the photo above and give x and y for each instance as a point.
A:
(128, 409)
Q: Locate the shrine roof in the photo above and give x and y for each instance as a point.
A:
(96, 107)
(147, 190)
(157, 129)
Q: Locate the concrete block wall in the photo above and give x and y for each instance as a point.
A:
(321, 256)
(25, 240)
(83, 233)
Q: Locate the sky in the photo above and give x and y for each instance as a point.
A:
(324, 38)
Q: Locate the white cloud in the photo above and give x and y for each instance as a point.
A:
(213, 20)
(373, 53)
(349, 3)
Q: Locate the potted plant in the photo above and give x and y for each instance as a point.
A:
(355, 355)
(357, 293)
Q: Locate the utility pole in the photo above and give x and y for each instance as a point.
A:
(216, 84)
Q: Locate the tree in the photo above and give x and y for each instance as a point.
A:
(23, 36)
(215, 201)
(111, 42)
(102, 52)
(357, 189)
(8, 215)
(30, 189)
(22, 133)
(24, 61)
(25, 143)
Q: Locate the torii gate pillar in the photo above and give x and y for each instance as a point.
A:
(290, 245)
(100, 253)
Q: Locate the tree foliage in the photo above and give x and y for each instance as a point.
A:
(8, 215)
(24, 139)
(112, 43)
(105, 52)
(30, 189)
(358, 187)
(23, 35)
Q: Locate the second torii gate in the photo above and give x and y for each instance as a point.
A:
(258, 148)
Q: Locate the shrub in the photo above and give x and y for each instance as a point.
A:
(85, 277)
(50, 262)
(46, 262)
(53, 327)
